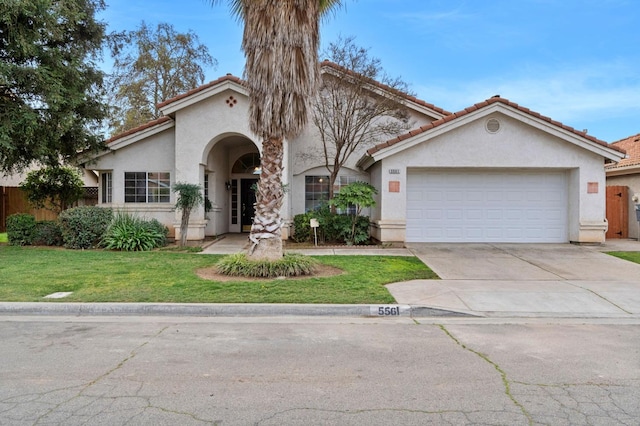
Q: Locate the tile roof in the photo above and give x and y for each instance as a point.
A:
(228, 77)
(493, 100)
(138, 129)
(232, 78)
(632, 146)
(411, 98)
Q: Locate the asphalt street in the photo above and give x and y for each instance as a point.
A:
(331, 371)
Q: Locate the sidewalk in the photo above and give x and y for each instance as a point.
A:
(234, 243)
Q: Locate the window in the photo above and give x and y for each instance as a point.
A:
(316, 192)
(107, 187)
(147, 187)
(344, 181)
(248, 163)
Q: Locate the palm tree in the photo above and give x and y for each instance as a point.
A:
(280, 43)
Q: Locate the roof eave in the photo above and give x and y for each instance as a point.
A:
(365, 162)
(624, 170)
(416, 136)
(173, 105)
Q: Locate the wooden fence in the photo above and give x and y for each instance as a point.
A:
(13, 200)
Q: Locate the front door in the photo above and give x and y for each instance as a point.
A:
(247, 203)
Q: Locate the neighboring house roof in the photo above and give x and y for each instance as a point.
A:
(372, 152)
(632, 162)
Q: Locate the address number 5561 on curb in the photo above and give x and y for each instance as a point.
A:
(386, 311)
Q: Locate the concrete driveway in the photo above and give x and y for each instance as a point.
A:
(525, 280)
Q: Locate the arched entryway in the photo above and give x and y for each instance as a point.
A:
(231, 170)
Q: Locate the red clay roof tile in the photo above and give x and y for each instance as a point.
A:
(485, 103)
(138, 129)
(632, 146)
(228, 77)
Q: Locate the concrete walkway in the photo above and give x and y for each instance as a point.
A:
(234, 243)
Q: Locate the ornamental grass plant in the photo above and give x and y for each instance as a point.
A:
(132, 233)
(291, 265)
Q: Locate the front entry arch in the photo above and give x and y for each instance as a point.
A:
(223, 173)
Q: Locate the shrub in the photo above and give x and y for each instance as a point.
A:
(291, 265)
(301, 227)
(360, 195)
(47, 233)
(83, 227)
(130, 233)
(338, 228)
(20, 229)
(162, 231)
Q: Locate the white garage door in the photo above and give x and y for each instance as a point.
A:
(487, 206)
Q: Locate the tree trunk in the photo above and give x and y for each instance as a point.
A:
(184, 226)
(333, 176)
(266, 231)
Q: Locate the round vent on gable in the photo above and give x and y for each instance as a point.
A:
(492, 125)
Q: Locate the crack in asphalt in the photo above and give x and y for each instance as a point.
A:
(575, 407)
(503, 375)
(87, 386)
(466, 414)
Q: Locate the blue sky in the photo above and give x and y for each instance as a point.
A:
(576, 61)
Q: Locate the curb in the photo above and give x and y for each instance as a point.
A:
(221, 310)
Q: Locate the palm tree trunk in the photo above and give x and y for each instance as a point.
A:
(266, 231)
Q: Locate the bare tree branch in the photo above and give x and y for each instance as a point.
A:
(358, 105)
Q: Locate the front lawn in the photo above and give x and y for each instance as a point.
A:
(633, 256)
(29, 273)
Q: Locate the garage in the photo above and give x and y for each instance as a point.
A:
(487, 206)
(493, 172)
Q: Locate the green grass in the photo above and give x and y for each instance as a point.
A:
(29, 273)
(3, 237)
(633, 256)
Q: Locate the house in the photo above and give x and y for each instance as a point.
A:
(623, 183)
(493, 172)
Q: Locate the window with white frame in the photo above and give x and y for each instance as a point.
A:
(106, 179)
(147, 187)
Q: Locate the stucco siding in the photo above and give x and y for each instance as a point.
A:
(154, 154)
(516, 146)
